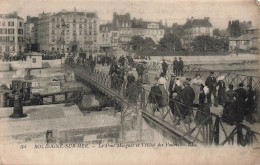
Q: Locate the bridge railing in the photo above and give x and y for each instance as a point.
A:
(194, 125)
(230, 78)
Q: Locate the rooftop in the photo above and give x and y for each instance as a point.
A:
(31, 19)
(10, 15)
(198, 23)
(108, 25)
(139, 23)
(88, 14)
(245, 37)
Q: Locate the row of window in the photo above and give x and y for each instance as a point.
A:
(10, 31)
(10, 23)
(73, 20)
(7, 48)
(10, 39)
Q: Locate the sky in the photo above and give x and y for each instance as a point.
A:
(174, 11)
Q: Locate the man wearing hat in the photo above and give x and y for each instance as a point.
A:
(187, 97)
(211, 83)
(164, 66)
(241, 103)
(175, 66)
(180, 67)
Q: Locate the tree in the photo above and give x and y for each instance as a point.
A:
(216, 32)
(136, 42)
(177, 30)
(141, 46)
(170, 42)
(234, 28)
(245, 25)
(206, 43)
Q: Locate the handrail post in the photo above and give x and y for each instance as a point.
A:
(216, 131)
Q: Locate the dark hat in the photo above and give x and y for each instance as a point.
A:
(240, 84)
(186, 82)
(162, 74)
(211, 72)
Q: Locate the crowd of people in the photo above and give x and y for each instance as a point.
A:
(183, 95)
(177, 66)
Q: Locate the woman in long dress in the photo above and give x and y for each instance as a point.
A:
(204, 107)
(196, 84)
(221, 90)
(164, 99)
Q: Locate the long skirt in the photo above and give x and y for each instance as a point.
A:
(164, 98)
(238, 112)
(221, 96)
(228, 112)
(203, 113)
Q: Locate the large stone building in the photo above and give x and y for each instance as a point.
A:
(30, 33)
(76, 31)
(247, 42)
(147, 29)
(11, 33)
(122, 24)
(196, 27)
(108, 37)
(128, 27)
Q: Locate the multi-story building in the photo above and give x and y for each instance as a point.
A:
(196, 27)
(147, 29)
(30, 37)
(247, 42)
(122, 24)
(128, 28)
(76, 31)
(108, 38)
(11, 33)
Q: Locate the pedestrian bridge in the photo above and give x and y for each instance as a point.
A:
(213, 130)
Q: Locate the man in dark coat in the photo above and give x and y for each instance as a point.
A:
(180, 67)
(140, 70)
(164, 67)
(120, 77)
(155, 95)
(175, 66)
(130, 79)
(113, 74)
(188, 96)
(211, 83)
(250, 104)
(240, 103)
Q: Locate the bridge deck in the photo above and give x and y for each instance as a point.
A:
(190, 133)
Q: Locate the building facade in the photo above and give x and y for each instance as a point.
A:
(122, 24)
(151, 30)
(108, 38)
(247, 42)
(30, 36)
(128, 27)
(11, 33)
(196, 27)
(75, 31)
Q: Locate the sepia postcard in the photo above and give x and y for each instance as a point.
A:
(129, 82)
